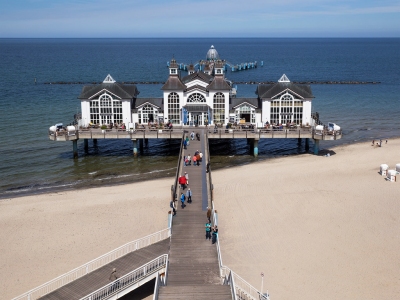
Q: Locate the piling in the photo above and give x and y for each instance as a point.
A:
(75, 148)
(135, 150)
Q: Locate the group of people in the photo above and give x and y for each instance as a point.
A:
(211, 230)
(197, 159)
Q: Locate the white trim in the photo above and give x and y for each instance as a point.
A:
(284, 78)
(104, 91)
(243, 103)
(286, 92)
(109, 79)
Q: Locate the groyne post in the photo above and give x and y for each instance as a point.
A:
(316, 147)
(135, 150)
(75, 148)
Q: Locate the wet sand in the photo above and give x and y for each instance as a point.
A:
(318, 227)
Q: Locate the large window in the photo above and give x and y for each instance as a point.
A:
(147, 114)
(219, 108)
(286, 110)
(173, 108)
(105, 110)
(196, 98)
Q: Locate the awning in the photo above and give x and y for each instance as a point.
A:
(197, 108)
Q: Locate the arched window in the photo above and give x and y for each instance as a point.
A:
(286, 110)
(219, 108)
(105, 110)
(196, 98)
(173, 108)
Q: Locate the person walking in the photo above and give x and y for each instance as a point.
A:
(189, 196)
(214, 234)
(182, 182)
(209, 214)
(183, 200)
(194, 160)
(192, 135)
(198, 159)
(184, 144)
(187, 178)
(189, 160)
(201, 156)
(187, 141)
(113, 278)
(172, 205)
(208, 230)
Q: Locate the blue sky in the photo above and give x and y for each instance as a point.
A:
(199, 18)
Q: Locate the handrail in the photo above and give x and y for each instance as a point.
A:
(174, 187)
(243, 289)
(128, 279)
(105, 259)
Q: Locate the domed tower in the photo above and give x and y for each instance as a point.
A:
(212, 54)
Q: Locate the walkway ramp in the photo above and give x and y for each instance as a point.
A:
(100, 277)
(193, 271)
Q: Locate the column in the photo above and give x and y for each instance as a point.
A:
(135, 151)
(316, 147)
(255, 150)
(86, 145)
(75, 148)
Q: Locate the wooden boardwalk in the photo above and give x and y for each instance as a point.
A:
(100, 277)
(193, 271)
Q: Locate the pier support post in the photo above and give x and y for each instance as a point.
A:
(307, 145)
(146, 142)
(299, 141)
(316, 147)
(95, 142)
(255, 148)
(75, 148)
(141, 145)
(135, 151)
(86, 145)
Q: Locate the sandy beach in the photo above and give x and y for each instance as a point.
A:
(318, 227)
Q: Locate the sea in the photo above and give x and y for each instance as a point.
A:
(33, 99)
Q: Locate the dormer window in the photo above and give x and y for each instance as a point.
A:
(173, 71)
(219, 71)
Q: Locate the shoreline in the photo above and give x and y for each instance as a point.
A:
(8, 195)
(318, 230)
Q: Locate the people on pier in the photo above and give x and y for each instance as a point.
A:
(192, 135)
(209, 214)
(214, 234)
(188, 160)
(198, 136)
(208, 230)
(189, 195)
(194, 160)
(182, 182)
(172, 205)
(201, 157)
(187, 178)
(183, 200)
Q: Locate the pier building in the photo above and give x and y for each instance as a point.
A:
(202, 98)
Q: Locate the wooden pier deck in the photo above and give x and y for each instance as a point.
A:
(100, 277)
(193, 271)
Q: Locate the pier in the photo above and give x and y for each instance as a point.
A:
(184, 263)
(244, 131)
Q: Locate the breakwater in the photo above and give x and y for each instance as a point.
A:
(236, 82)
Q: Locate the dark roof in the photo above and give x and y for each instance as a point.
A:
(122, 91)
(155, 101)
(238, 101)
(198, 87)
(197, 75)
(271, 90)
(219, 83)
(173, 83)
(197, 108)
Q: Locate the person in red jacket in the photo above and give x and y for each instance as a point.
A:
(182, 181)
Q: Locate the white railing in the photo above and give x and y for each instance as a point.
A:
(129, 279)
(99, 262)
(243, 289)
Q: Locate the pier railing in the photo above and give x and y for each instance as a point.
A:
(178, 169)
(241, 289)
(129, 279)
(97, 263)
